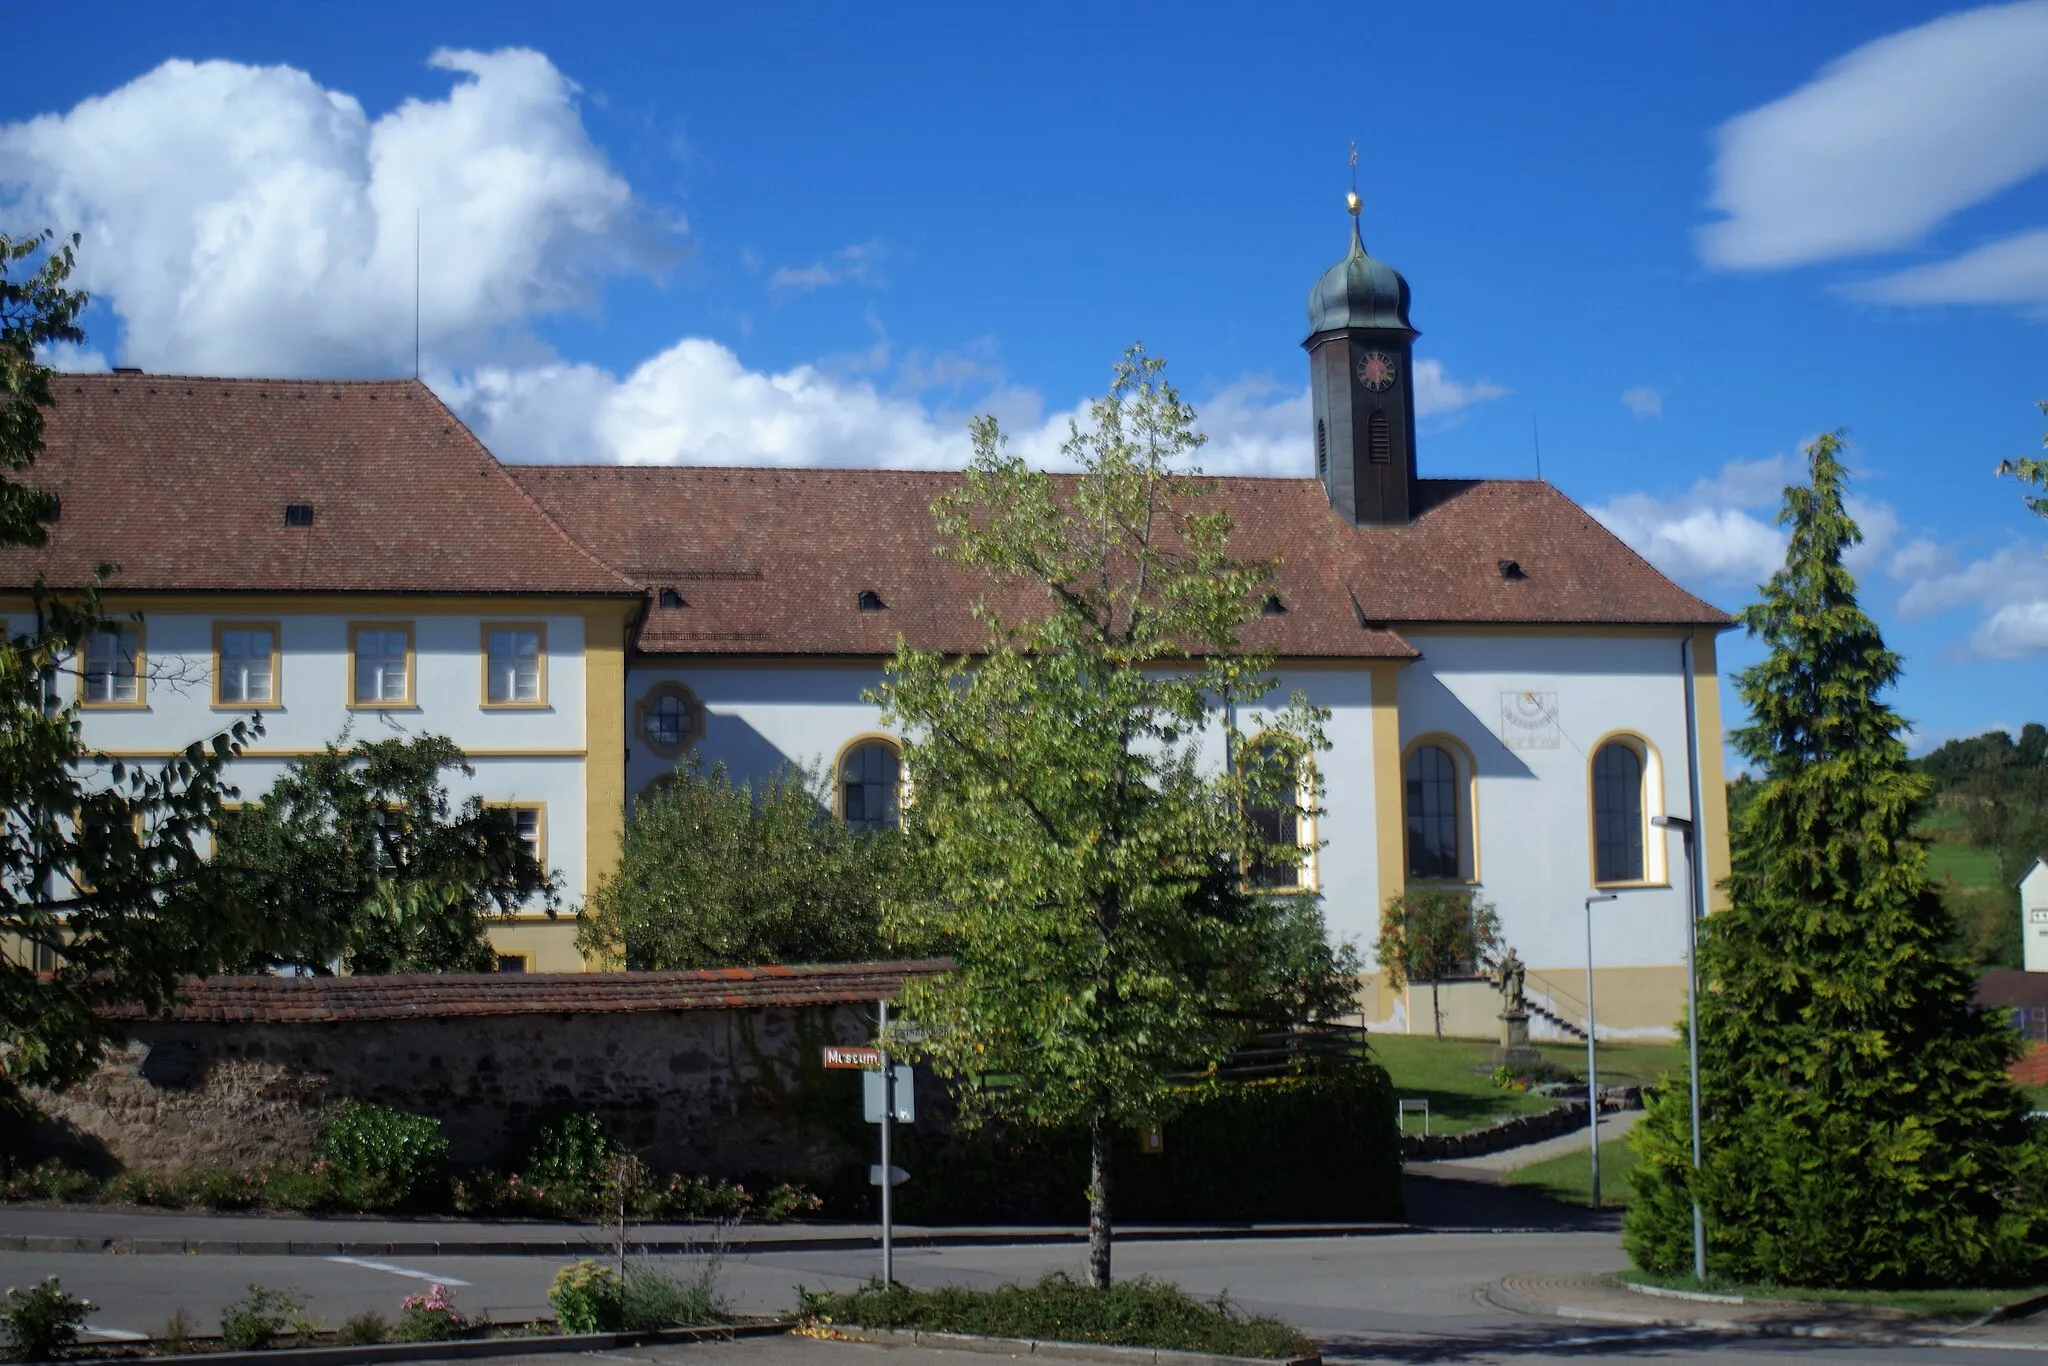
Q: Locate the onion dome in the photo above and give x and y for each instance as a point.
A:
(1359, 291)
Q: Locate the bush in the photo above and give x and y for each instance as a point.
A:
(175, 1337)
(300, 1188)
(376, 1151)
(222, 1188)
(52, 1180)
(588, 1298)
(569, 1149)
(363, 1329)
(250, 1324)
(42, 1321)
(654, 1299)
(1139, 1313)
(431, 1317)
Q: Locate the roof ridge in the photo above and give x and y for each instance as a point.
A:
(396, 380)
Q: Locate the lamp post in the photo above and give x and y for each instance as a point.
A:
(1592, 1076)
(1692, 1025)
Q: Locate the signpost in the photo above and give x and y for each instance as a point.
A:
(888, 1098)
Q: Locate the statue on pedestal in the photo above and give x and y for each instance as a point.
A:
(1515, 1049)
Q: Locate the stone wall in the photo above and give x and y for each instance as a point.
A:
(725, 1090)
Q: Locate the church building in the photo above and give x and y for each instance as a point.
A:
(1515, 696)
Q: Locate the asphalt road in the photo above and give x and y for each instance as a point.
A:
(1398, 1298)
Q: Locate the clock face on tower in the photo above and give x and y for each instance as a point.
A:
(1377, 371)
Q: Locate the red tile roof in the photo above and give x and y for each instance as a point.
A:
(184, 483)
(772, 561)
(427, 996)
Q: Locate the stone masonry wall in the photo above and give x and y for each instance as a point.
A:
(723, 1092)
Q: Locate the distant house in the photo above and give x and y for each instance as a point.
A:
(2034, 917)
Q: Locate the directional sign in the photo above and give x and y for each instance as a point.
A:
(853, 1059)
(897, 1176)
(906, 1097)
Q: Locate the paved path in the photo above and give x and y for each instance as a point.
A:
(1510, 1159)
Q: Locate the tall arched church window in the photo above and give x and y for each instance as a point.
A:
(1617, 813)
(1431, 807)
(1379, 440)
(871, 785)
(1275, 812)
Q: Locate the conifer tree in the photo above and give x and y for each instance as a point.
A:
(1859, 1128)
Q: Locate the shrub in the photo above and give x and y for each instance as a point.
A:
(654, 1299)
(587, 1297)
(143, 1188)
(789, 1202)
(175, 1337)
(1139, 1313)
(250, 1324)
(362, 1329)
(53, 1180)
(376, 1151)
(300, 1188)
(431, 1317)
(569, 1149)
(222, 1188)
(40, 1322)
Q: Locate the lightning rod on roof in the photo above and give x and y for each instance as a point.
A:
(1536, 440)
(415, 291)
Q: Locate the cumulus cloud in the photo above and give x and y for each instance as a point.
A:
(1438, 395)
(244, 220)
(1643, 401)
(859, 262)
(1885, 143)
(2014, 270)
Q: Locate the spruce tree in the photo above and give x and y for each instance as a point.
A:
(1859, 1128)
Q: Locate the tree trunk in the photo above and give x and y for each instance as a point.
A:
(1436, 1010)
(1101, 1174)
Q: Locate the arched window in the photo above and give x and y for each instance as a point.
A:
(671, 719)
(870, 785)
(1617, 813)
(1276, 813)
(1431, 806)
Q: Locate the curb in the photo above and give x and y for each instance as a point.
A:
(537, 1247)
(1077, 1351)
(469, 1349)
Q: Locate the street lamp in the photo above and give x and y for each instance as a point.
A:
(1692, 1025)
(1592, 1076)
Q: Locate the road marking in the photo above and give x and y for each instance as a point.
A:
(435, 1277)
(1641, 1335)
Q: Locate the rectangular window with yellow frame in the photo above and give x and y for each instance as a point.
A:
(248, 665)
(110, 667)
(515, 664)
(380, 663)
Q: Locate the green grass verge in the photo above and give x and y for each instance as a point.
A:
(1569, 1178)
(1970, 865)
(1935, 1304)
(1456, 1075)
(1139, 1313)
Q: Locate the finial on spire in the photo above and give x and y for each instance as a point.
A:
(1351, 201)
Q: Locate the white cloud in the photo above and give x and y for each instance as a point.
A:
(1643, 401)
(2016, 575)
(1438, 395)
(2014, 270)
(2014, 631)
(1885, 143)
(244, 220)
(72, 359)
(858, 262)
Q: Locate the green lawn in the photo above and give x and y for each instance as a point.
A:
(1456, 1076)
(1569, 1177)
(1968, 864)
(1940, 1304)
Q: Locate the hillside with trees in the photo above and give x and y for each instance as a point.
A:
(1985, 820)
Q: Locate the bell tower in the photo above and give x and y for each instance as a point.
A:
(1362, 387)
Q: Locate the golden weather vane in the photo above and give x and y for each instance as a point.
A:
(1351, 200)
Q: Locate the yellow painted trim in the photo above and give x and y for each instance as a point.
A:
(866, 737)
(140, 702)
(1713, 813)
(540, 825)
(276, 698)
(412, 672)
(604, 735)
(1390, 822)
(1467, 767)
(484, 629)
(523, 955)
(1656, 869)
(693, 706)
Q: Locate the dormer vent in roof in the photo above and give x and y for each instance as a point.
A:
(671, 598)
(871, 601)
(127, 369)
(52, 511)
(298, 514)
(1272, 606)
(1512, 570)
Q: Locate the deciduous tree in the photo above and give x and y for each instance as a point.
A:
(1432, 934)
(1082, 838)
(1859, 1127)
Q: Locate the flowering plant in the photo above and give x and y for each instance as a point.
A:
(431, 1317)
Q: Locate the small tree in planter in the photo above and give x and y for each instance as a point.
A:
(1429, 933)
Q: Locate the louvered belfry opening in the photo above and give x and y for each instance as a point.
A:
(1379, 438)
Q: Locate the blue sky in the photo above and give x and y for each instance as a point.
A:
(1682, 240)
